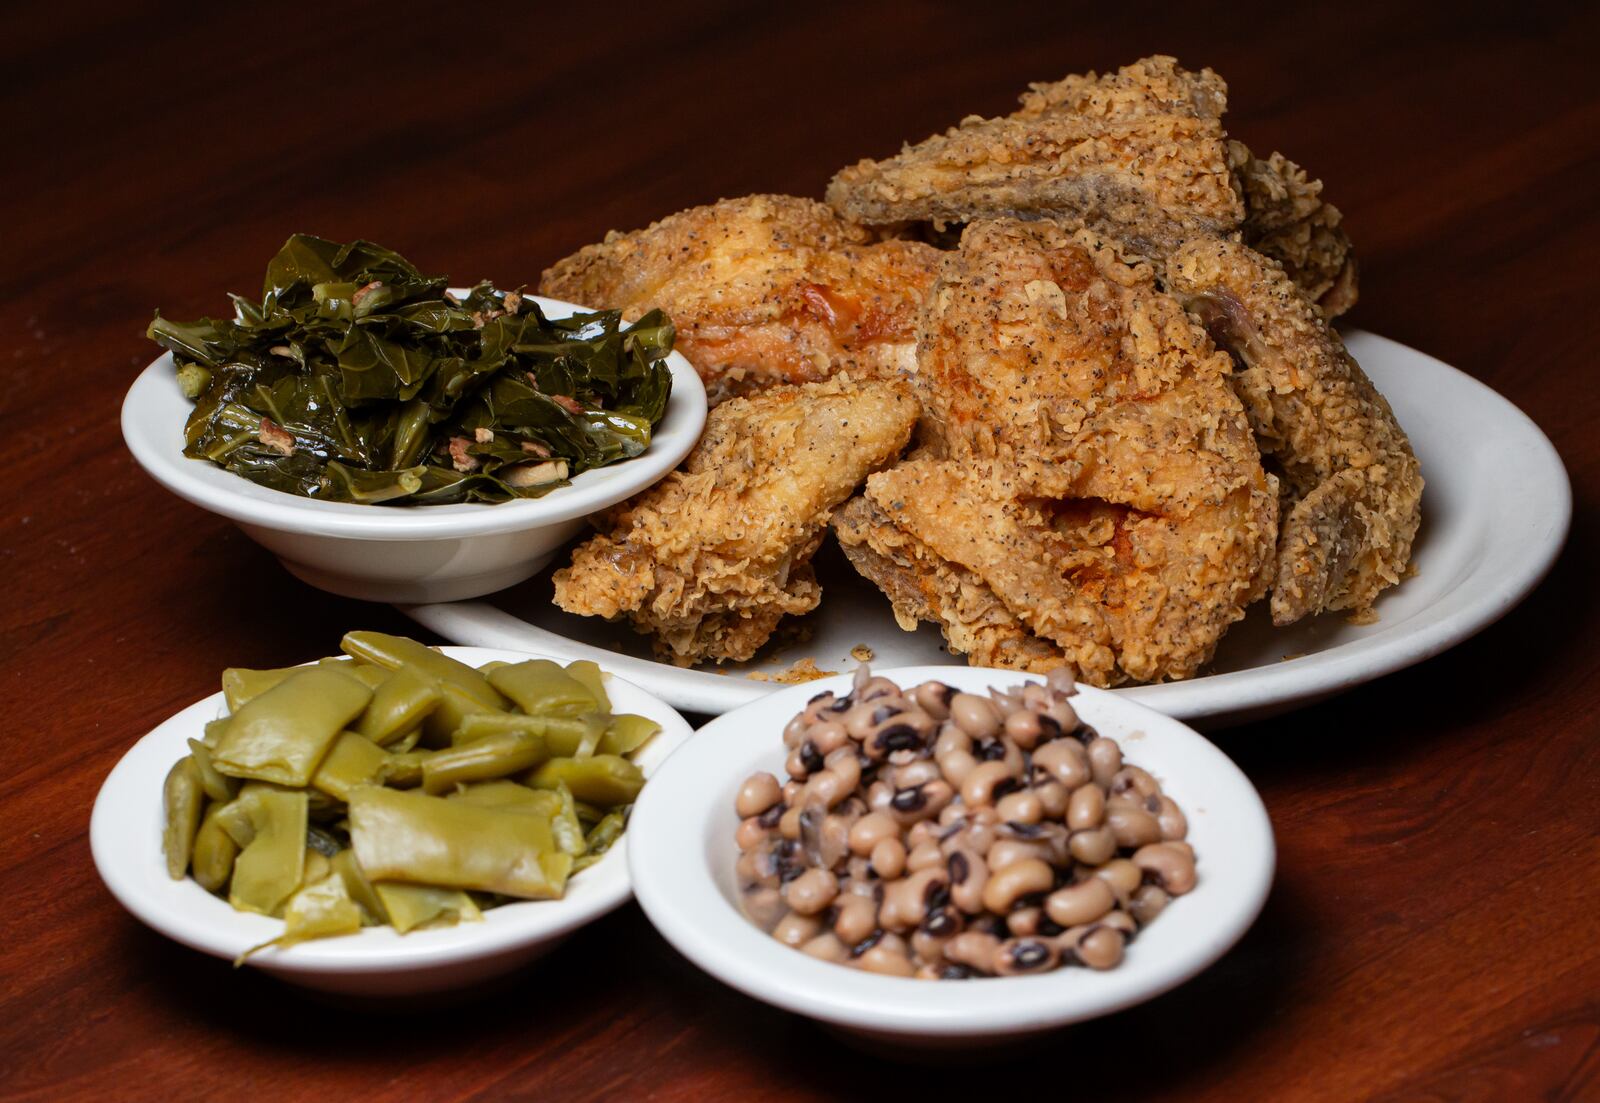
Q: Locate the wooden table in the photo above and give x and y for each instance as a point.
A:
(1433, 931)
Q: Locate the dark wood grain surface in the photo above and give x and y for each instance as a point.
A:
(1432, 933)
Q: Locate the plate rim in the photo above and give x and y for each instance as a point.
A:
(1230, 697)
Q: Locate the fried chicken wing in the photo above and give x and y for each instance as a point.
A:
(765, 289)
(711, 558)
(1353, 487)
(1139, 155)
(1088, 462)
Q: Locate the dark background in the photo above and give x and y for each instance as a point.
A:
(1433, 933)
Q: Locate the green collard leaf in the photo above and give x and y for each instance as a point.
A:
(351, 377)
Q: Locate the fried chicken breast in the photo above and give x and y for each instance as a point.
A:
(1086, 458)
(764, 289)
(711, 558)
(1353, 487)
(1139, 155)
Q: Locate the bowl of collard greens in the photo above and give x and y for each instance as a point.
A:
(393, 439)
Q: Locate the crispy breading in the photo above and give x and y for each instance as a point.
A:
(1353, 485)
(1094, 469)
(764, 289)
(1288, 220)
(1139, 154)
(923, 587)
(711, 558)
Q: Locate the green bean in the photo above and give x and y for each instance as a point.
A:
(540, 687)
(406, 742)
(426, 840)
(400, 703)
(565, 827)
(563, 735)
(351, 761)
(359, 888)
(239, 684)
(509, 796)
(604, 779)
(322, 908)
(183, 797)
(214, 852)
(404, 771)
(281, 735)
(367, 674)
(393, 652)
(601, 838)
(412, 906)
(217, 786)
(272, 864)
(594, 680)
(213, 732)
(627, 733)
(482, 760)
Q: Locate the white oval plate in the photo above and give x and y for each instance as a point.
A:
(1495, 514)
(125, 837)
(681, 853)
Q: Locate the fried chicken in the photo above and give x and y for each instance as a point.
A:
(1087, 460)
(711, 558)
(765, 289)
(1353, 487)
(1139, 155)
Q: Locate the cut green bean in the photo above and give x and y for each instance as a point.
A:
(359, 888)
(594, 680)
(351, 761)
(604, 779)
(393, 652)
(484, 759)
(627, 733)
(410, 907)
(183, 799)
(399, 704)
(218, 787)
(214, 852)
(282, 735)
(271, 865)
(541, 687)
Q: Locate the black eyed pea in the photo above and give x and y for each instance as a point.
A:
(1026, 922)
(795, 730)
(922, 832)
(930, 947)
(1135, 782)
(974, 949)
(1105, 759)
(791, 791)
(1093, 847)
(1166, 865)
(752, 869)
(765, 907)
(1086, 808)
(758, 793)
(871, 829)
(1023, 728)
(1081, 903)
(1182, 847)
(905, 902)
(978, 788)
(1006, 852)
(886, 959)
(1100, 948)
(1011, 883)
(969, 873)
(860, 722)
(796, 930)
(1132, 827)
(1174, 824)
(1053, 798)
(1121, 921)
(977, 716)
(1025, 955)
(827, 947)
(856, 919)
(812, 891)
(922, 803)
(789, 823)
(920, 772)
(1123, 876)
(933, 698)
(1065, 761)
(795, 765)
(889, 858)
(1148, 901)
(1065, 716)
(1023, 806)
(829, 737)
(750, 833)
(925, 855)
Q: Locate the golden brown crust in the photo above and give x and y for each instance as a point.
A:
(1088, 461)
(709, 560)
(1288, 220)
(764, 289)
(1354, 487)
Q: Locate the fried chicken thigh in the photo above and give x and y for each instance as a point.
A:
(711, 558)
(1353, 487)
(1085, 458)
(765, 289)
(1139, 155)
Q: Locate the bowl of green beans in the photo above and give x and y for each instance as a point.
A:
(397, 820)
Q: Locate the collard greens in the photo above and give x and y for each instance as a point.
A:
(356, 378)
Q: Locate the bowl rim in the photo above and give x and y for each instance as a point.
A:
(125, 841)
(684, 899)
(154, 411)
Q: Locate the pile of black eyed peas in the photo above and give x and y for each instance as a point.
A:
(938, 834)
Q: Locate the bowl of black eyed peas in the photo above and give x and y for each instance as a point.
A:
(947, 855)
(397, 820)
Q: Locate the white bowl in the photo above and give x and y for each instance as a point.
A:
(681, 852)
(402, 553)
(125, 837)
